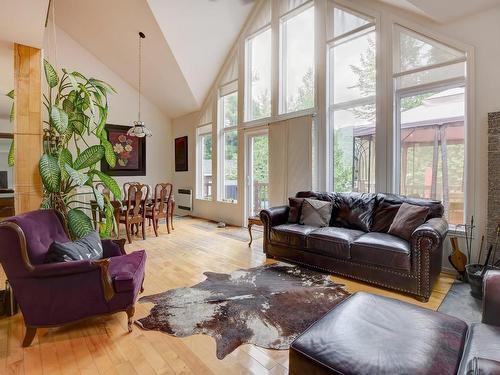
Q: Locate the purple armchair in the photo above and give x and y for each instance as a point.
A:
(59, 293)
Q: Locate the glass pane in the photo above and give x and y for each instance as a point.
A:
(259, 76)
(260, 174)
(353, 68)
(432, 149)
(206, 166)
(230, 191)
(343, 22)
(230, 110)
(432, 75)
(353, 150)
(417, 51)
(297, 42)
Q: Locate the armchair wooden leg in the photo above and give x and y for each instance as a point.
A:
(130, 315)
(30, 335)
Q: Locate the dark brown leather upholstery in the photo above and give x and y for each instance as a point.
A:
(369, 334)
(332, 241)
(410, 267)
(382, 249)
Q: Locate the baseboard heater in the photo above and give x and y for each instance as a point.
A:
(184, 199)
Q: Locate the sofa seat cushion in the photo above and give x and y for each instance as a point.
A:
(382, 249)
(332, 241)
(127, 272)
(291, 234)
(483, 342)
(368, 334)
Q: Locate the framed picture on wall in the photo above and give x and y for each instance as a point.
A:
(181, 154)
(130, 153)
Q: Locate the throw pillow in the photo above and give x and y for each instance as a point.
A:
(315, 213)
(408, 218)
(295, 209)
(85, 248)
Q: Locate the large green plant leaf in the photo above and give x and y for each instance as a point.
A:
(99, 198)
(110, 184)
(77, 121)
(79, 224)
(46, 203)
(10, 94)
(12, 112)
(89, 157)
(50, 173)
(109, 154)
(107, 227)
(59, 119)
(72, 79)
(65, 157)
(50, 74)
(78, 177)
(12, 154)
(103, 116)
(105, 88)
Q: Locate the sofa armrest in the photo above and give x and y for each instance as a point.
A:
(274, 216)
(433, 230)
(491, 298)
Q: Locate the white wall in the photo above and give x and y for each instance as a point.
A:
(123, 105)
(481, 31)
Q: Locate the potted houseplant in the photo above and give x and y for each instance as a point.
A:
(74, 143)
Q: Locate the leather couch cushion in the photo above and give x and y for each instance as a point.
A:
(332, 241)
(368, 334)
(291, 234)
(382, 249)
(353, 210)
(484, 342)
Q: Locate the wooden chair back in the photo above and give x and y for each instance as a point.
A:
(126, 186)
(162, 196)
(136, 202)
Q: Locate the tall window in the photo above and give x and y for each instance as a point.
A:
(204, 161)
(297, 60)
(351, 52)
(258, 76)
(228, 139)
(429, 81)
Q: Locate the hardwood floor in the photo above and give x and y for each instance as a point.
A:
(103, 346)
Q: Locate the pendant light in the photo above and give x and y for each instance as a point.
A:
(139, 129)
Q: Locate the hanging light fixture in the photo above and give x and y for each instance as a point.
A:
(139, 129)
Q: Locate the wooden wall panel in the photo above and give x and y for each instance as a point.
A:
(27, 127)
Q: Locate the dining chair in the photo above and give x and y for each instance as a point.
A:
(126, 186)
(135, 210)
(160, 205)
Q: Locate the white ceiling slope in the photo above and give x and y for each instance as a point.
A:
(109, 30)
(200, 34)
(23, 21)
(445, 10)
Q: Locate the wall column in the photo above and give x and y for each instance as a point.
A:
(27, 127)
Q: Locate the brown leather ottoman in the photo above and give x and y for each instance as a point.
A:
(369, 334)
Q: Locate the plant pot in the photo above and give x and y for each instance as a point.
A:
(474, 276)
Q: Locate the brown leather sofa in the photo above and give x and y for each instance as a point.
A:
(368, 334)
(357, 245)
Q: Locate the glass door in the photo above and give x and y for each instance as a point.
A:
(258, 173)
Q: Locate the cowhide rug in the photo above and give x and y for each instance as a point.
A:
(266, 306)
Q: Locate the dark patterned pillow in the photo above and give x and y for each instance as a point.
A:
(295, 209)
(85, 248)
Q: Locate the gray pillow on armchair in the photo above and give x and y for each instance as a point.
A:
(88, 247)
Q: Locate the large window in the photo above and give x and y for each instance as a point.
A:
(297, 60)
(258, 76)
(351, 99)
(429, 81)
(204, 161)
(228, 140)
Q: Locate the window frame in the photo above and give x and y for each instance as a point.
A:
(225, 90)
(199, 161)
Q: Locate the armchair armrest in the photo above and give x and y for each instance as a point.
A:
(274, 216)
(433, 230)
(491, 298)
(113, 248)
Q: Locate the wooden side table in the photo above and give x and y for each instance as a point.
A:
(253, 220)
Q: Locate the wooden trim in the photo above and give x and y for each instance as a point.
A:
(7, 135)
